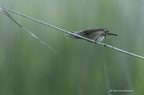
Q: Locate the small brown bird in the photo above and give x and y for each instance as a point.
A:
(94, 34)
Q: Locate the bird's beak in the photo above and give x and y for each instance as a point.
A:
(72, 36)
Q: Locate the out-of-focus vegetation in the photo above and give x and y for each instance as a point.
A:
(27, 67)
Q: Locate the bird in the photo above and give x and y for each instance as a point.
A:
(97, 34)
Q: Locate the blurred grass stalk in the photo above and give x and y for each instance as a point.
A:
(4, 12)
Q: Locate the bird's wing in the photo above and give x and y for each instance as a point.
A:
(92, 31)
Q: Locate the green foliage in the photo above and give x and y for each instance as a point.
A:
(28, 67)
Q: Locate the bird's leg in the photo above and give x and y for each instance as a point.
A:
(105, 41)
(95, 41)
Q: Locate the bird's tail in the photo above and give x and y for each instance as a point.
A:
(111, 34)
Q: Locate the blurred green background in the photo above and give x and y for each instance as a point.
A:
(27, 67)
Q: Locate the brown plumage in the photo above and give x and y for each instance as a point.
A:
(94, 34)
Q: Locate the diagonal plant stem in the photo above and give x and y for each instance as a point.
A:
(4, 12)
(93, 41)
